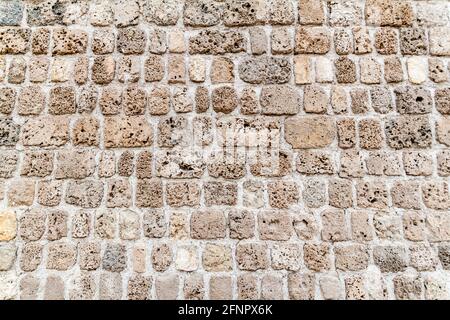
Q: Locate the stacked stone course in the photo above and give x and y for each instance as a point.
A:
(118, 120)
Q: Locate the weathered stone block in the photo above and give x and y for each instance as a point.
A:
(265, 70)
(309, 132)
(127, 132)
(217, 42)
(312, 40)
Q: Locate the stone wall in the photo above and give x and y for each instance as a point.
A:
(200, 149)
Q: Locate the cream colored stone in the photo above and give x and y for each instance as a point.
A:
(9, 285)
(217, 258)
(364, 191)
(179, 226)
(339, 100)
(324, 70)
(7, 256)
(374, 283)
(437, 286)
(129, 225)
(197, 69)
(61, 70)
(101, 13)
(186, 259)
(370, 71)
(332, 288)
(303, 70)
(440, 41)
(417, 69)
(443, 131)
(8, 225)
(126, 12)
(46, 131)
(176, 41)
(431, 13)
(139, 255)
(2, 68)
(286, 256)
(438, 226)
(309, 132)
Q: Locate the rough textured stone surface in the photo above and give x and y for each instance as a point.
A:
(407, 287)
(69, 41)
(353, 257)
(14, 41)
(224, 149)
(345, 70)
(242, 224)
(275, 225)
(84, 193)
(317, 256)
(224, 99)
(265, 70)
(9, 132)
(442, 97)
(208, 225)
(162, 257)
(389, 13)
(202, 13)
(312, 40)
(301, 286)
(252, 256)
(278, 100)
(61, 256)
(387, 225)
(56, 131)
(194, 287)
(127, 132)
(390, 258)
(217, 42)
(217, 258)
(408, 131)
(439, 42)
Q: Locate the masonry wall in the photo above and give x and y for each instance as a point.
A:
(238, 149)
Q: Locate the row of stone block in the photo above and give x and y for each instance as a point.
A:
(231, 13)
(154, 193)
(301, 40)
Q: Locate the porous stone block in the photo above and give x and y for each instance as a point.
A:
(265, 70)
(127, 132)
(217, 42)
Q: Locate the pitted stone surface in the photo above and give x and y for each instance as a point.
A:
(224, 149)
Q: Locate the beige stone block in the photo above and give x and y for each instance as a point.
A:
(417, 69)
(303, 70)
(8, 225)
(197, 69)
